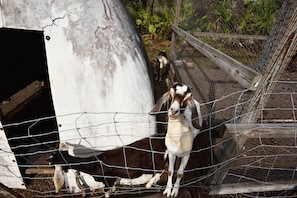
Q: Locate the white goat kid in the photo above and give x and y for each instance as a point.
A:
(184, 123)
(75, 181)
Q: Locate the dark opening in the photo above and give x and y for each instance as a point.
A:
(25, 95)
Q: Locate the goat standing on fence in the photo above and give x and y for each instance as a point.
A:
(184, 123)
(145, 156)
(162, 65)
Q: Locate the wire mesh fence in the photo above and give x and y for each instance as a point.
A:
(263, 166)
(268, 157)
(210, 40)
(237, 28)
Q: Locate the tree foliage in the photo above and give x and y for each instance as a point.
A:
(231, 16)
(153, 18)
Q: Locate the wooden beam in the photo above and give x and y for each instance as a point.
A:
(173, 37)
(20, 99)
(278, 121)
(275, 130)
(40, 171)
(8, 191)
(246, 76)
(233, 36)
(225, 189)
(279, 48)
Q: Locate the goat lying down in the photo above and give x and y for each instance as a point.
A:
(184, 123)
(75, 181)
(145, 156)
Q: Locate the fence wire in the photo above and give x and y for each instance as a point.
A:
(262, 160)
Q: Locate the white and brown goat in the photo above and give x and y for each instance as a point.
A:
(161, 66)
(184, 123)
(145, 156)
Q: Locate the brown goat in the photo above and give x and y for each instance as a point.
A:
(145, 156)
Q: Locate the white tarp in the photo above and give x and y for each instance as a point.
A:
(97, 66)
(10, 174)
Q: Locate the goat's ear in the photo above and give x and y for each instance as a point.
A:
(164, 98)
(196, 113)
(63, 146)
(188, 97)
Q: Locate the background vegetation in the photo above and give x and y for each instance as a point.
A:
(154, 18)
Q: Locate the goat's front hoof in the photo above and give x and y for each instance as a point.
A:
(107, 194)
(167, 191)
(174, 192)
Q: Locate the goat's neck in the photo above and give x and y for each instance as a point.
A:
(80, 164)
(178, 125)
(179, 118)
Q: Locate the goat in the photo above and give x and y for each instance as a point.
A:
(184, 123)
(75, 181)
(161, 66)
(145, 156)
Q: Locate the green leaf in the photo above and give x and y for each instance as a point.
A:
(152, 28)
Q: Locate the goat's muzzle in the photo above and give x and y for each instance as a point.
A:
(173, 111)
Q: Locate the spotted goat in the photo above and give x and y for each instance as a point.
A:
(184, 123)
(129, 164)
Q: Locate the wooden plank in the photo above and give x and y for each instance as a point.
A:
(173, 37)
(278, 121)
(19, 100)
(276, 130)
(40, 171)
(233, 36)
(8, 191)
(225, 189)
(280, 47)
(246, 76)
(277, 53)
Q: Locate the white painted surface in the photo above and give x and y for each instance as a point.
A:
(97, 67)
(97, 64)
(10, 174)
(1, 21)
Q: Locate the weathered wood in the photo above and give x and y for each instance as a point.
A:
(19, 100)
(277, 53)
(173, 37)
(276, 130)
(279, 121)
(246, 76)
(280, 47)
(9, 191)
(251, 187)
(233, 36)
(40, 171)
(173, 76)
